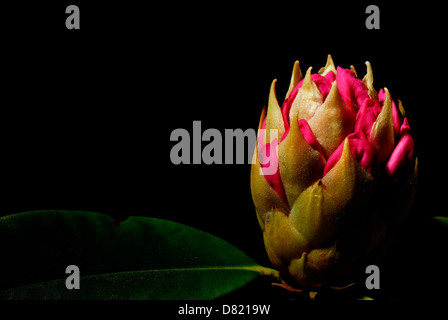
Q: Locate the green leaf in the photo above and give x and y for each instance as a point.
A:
(141, 258)
(442, 220)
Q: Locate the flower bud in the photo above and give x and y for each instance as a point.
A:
(345, 176)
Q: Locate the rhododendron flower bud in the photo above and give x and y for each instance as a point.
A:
(346, 174)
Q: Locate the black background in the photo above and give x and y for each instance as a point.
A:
(86, 115)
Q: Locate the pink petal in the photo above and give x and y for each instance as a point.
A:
(402, 156)
(396, 118)
(309, 136)
(333, 159)
(367, 115)
(361, 149)
(381, 95)
(405, 128)
(330, 76)
(286, 106)
(352, 89)
(322, 83)
(274, 180)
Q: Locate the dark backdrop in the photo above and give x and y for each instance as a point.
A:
(86, 115)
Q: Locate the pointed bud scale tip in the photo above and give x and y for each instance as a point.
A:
(401, 109)
(308, 75)
(354, 70)
(369, 74)
(274, 118)
(334, 96)
(295, 78)
(329, 66)
(346, 155)
(387, 100)
(382, 132)
(368, 80)
(308, 99)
